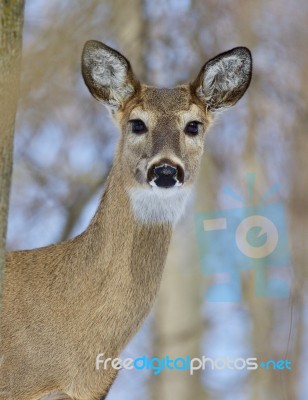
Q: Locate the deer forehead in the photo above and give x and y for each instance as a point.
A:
(166, 100)
(169, 106)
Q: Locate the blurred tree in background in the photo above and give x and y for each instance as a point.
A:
(64, 148)
(11, 24)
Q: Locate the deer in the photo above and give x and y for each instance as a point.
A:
(68, 302)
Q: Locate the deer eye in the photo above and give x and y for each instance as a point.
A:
(192, 128)
(138, 126)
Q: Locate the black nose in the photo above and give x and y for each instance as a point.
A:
(165, 175)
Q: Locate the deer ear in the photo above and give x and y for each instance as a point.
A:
(107, 74)
(224, 79)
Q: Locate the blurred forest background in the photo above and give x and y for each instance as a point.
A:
(64, 145)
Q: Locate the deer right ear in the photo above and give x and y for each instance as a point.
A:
(224, 79)
(107, 74)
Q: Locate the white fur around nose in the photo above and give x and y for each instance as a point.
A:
(159, 205)
(153, 183)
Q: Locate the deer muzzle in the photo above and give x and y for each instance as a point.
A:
(165, 174)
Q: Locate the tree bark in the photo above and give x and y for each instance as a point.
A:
(11, 24)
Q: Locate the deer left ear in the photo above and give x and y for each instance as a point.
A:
(224, 79)
(108, 74)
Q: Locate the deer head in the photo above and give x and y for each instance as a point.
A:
(163, 130)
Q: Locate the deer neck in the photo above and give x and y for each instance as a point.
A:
(128, 254)
(124, 255)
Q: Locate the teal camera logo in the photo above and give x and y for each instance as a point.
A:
(251, 237)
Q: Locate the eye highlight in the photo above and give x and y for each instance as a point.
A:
(192, 128)
(138, 126)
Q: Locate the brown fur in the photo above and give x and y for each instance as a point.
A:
(66, 303)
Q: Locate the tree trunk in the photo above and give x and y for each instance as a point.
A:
(178, 327)
(11, 23)
(130, 29)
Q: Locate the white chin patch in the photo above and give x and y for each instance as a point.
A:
(159, 205)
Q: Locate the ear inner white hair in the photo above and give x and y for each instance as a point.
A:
(107, 74)
(225, 78)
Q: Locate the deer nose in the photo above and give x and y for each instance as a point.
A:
(163, 175)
